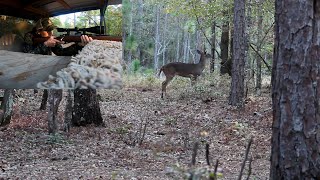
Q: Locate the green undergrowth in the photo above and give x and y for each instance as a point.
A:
(208, 86)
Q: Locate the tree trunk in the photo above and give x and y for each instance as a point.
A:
(44, 100)
(86, 108)
(250, 60)
(177, 59)
(296, 91)
(224, 69)
(230, 58)
(6, 109)
(239, 48)
(164, 36)
(139, 31)
(178, 47)
(213, 45)
(185, 46)
(188, 48)
(258, 60)
(55, 96)
(68, 111)
(127, 29)
(157, 39)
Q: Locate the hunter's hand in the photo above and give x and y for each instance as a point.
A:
(51, 42)
(85, 40)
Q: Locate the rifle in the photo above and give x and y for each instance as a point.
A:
(94, 29)
(39, 40)
(76, 38)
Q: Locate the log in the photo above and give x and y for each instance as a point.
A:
(23, 70)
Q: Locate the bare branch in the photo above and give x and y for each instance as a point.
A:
(265, 35)
(198, 22)
(245, 158)
(207, 154)
(250, 168)
(194, 154)
(260, 57)
(144, 132)
(215, 170)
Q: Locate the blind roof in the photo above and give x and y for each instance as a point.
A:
(35, 9)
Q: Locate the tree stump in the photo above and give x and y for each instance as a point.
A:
(86, 108)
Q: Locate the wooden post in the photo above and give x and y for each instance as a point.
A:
(6, 107)
(55, 97)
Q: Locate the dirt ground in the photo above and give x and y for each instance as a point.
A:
(172, 126)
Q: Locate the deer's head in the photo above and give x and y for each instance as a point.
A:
(204, 54)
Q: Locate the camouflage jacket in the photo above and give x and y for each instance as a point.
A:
(30, 47)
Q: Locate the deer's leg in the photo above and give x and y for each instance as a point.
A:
(193, 80)
(165, 84)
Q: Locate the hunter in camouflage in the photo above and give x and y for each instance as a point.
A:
(44, 28)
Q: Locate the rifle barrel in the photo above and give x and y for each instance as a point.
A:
(77, 38)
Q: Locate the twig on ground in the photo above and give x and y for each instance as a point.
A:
(250, 168)
(245, 158)
(215, 170)
(144, 132)
(185, 138)
(207, 154)
(194, 154)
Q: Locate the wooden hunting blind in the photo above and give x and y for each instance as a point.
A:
(35, 9)
(21, 70)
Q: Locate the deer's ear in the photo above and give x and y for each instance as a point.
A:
(199, 52)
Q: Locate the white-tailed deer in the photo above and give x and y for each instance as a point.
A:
(189, 70)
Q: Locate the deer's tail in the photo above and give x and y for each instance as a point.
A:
(161, 69)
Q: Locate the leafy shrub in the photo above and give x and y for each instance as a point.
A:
(136, 65)
(148, 72)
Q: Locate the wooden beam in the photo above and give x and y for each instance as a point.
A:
(64, 4)
(12, 3)
(35, 10)
(100, 2)
(38, 2)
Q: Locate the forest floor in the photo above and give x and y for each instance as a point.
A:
(120, 151)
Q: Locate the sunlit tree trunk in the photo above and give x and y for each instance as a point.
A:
(127, 29)
(186, 46)
(296, 91)
(139, 31)
(164, 37)
(157, 39)
(213, 41)
(177, 59)
(213, 46)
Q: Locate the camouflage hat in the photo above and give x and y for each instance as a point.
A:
(45, 24)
